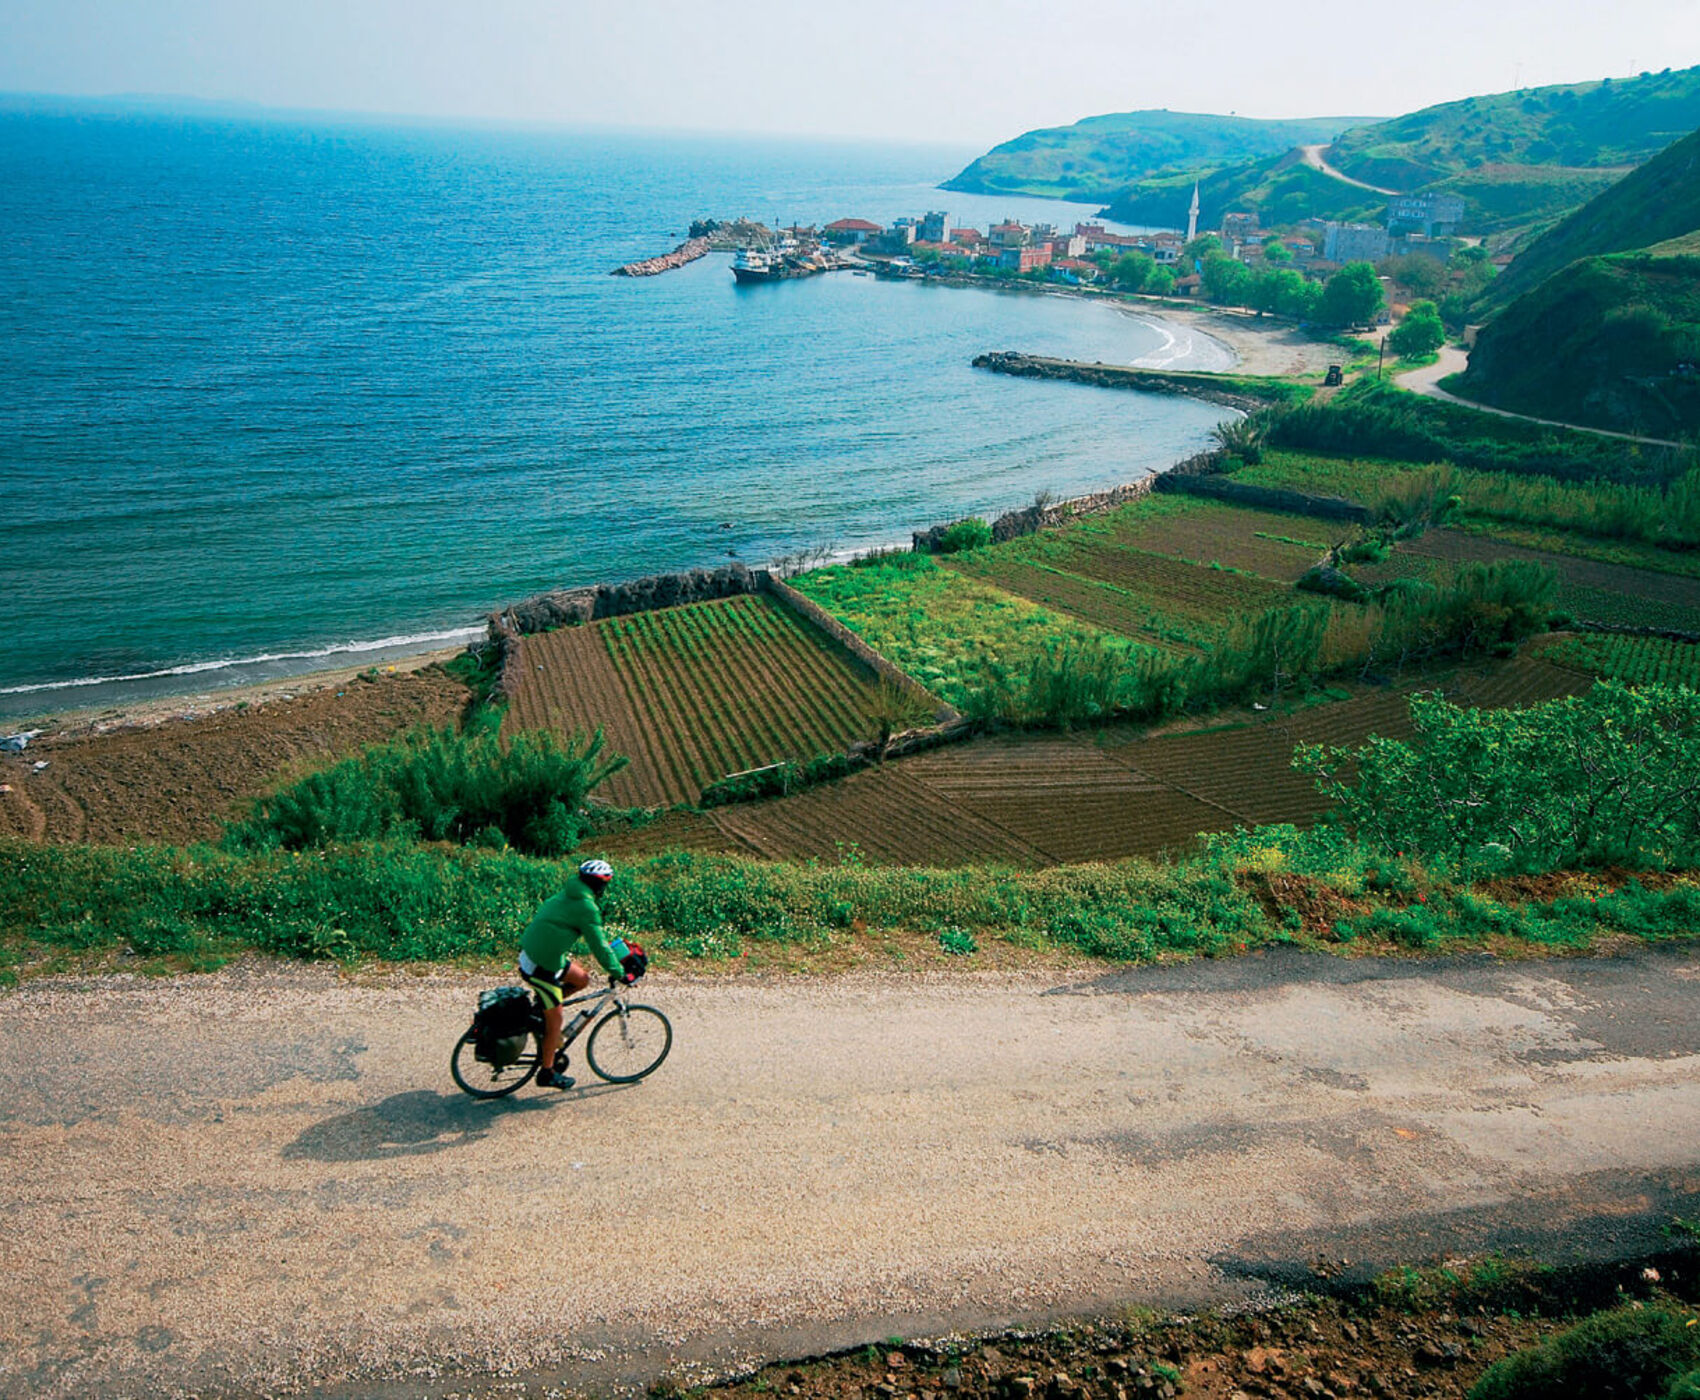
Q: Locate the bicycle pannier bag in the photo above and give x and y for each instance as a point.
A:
(500, 1025)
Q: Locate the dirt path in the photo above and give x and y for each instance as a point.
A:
(1313, 157)
(1426, 381)
(245, 1181)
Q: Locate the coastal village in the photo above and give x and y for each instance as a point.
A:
(1168, 262)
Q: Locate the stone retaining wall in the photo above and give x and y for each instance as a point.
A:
(1223, 488)
(573, 605)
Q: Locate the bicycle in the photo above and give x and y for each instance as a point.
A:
(624, 1055)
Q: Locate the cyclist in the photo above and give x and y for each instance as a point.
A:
(565, 922)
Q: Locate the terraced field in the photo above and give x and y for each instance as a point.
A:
(1587, 589)
(1273, 544)
(691, 694)
(1032, 800)
(1637, 660)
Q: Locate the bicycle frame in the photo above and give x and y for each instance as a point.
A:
(619, 993)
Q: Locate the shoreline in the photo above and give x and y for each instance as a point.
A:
(89, 720)
(1247, 345)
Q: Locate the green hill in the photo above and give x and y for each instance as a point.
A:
(1094, 158)
(1611, 123)
(1282, 188)
(1519, 160)
(1612, 341)
(1659, 201)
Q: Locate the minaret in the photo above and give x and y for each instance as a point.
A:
(1192, 215)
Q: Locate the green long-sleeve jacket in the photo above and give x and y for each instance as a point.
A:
(564, 923)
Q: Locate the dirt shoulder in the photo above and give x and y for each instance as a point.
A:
(272, 1181)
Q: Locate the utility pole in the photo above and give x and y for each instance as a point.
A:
(1380, 355)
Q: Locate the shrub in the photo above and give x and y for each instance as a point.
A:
(972, 533)
(1420, 333)
(1606, 777)
(1622, 1354)
(1244, 437)
(440, 785)
(1331, 583)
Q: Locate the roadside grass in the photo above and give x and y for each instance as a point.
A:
(194, 909)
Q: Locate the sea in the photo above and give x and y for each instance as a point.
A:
(282, 393)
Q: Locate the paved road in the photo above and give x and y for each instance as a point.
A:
(239, 1181)
(1426, 381)
(1314, 158)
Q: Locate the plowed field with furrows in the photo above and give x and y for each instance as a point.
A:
(1195, 590)
(691, 694)
(1210, 532)
(176, 781)
(885, 814)
(1587, 588)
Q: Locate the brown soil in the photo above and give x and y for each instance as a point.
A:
(173, 781)
(1587, 588)
(1318, 1348)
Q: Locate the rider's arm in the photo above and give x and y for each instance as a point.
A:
(596, 939)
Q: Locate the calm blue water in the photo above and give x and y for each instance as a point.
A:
(270, 389)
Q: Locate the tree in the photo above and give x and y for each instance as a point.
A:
(1284, 291)
(1226, 280)
(1275, 251)
(1420, 333)
(1423, 275)
(1131, 271)
(1352, 296)
(1200, 248)
(1161, 282)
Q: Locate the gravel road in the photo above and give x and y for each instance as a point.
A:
(262, 1179)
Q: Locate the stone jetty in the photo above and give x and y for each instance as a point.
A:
(688, 251)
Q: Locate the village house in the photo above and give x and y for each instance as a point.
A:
(1344, 243)
(1025, 259)
(1009, 234)
(1239, 228)
(851, 231)
(934, 227)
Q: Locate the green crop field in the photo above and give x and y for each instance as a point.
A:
(693, 693)
(949, 631)
(1637, 660)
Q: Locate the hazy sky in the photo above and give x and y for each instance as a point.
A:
(973, 73)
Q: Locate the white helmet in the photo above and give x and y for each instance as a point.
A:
(597, 870)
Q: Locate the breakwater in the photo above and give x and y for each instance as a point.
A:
(687, 252)
(1239, 392)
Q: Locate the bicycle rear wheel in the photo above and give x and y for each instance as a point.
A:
(486, 1081)
(624, 1048)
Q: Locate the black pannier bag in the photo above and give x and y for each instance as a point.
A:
(500, 1027)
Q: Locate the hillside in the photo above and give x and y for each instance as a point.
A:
(1659, 201)
(1518, 160)
(1611, 341)
(1282, 188)
(1094, 158)
(1577, 125)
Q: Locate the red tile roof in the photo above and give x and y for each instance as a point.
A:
(852, 226)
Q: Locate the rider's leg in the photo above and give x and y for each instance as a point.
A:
(576, 977)
(552, 1020)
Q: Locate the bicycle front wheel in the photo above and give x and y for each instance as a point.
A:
(487, 1081)
(624, 1047)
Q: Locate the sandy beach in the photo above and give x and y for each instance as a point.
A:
(1258, 346)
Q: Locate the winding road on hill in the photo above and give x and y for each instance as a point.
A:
(262, 1178)
(1452, 360)
(1314, 158)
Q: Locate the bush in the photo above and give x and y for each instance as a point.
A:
(1622, 1354)
(972, 533)
(1420, 333)
(440, 785)
(1603, 778)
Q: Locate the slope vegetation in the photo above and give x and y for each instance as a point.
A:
(1609, 341)
(1518, 160)
(1603, 124)
(1658, 202)
(1094, 158)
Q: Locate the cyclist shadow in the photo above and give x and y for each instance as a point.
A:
(419, 1123)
